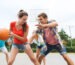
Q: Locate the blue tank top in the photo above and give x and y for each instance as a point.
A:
(2, 43)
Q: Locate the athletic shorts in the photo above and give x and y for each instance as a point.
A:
(58, 47)
(39, 47)
(4, 49)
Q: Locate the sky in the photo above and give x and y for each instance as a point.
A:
(63, 11)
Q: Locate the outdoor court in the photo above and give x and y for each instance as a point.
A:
(51, 59)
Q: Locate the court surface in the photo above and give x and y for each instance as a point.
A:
(51, 59)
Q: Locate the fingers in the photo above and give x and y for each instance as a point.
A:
(10, 34)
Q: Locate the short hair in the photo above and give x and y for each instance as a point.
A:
(44, 15)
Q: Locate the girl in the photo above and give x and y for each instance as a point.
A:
(37, 38)
(19, 31)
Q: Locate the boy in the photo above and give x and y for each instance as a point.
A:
(51, 38)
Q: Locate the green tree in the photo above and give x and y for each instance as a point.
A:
(68, 41)
(64, 36)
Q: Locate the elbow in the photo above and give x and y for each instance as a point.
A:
(56, 24)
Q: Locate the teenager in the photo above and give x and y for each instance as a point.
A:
(37, 38)
(51, 38)
(19, 32)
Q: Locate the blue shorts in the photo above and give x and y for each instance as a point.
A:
(58, 47)
(19, 46)
(39, 47)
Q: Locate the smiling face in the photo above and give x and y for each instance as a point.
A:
(22, 16)
(42, 18)
(23, 19)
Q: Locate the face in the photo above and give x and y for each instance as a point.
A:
(42, 20)
(23, 19)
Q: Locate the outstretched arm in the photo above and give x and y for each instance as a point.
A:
(52, 24)
(34, 36)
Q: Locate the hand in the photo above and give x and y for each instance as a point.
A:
(11, 34)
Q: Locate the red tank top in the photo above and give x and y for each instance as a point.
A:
(18, 32)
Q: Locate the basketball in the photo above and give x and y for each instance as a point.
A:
(4, 34)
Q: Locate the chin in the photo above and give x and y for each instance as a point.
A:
(21, 23)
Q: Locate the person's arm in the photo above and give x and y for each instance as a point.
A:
(34, 36)
(19, 37)
(52, 24)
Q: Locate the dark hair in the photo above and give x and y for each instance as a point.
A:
(20, 15)
(44, 15)
(24, 27)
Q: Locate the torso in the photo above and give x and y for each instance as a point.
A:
(50, 36)
(17, 31)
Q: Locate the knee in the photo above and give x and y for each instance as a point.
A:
(10, 62)
(34, 60)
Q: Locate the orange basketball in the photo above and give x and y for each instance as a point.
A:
(4, 34)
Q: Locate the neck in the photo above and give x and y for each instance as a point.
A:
(18, 23)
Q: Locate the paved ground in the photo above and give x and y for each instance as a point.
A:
(51, 59)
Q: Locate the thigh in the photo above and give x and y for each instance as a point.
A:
(29, 51)
(60, 49)
(45, 50)
(13, 53)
